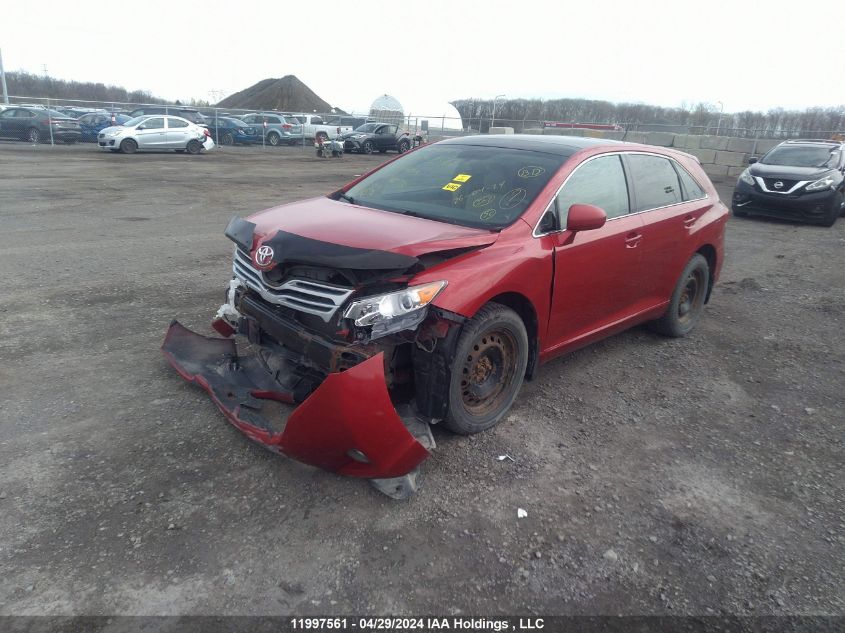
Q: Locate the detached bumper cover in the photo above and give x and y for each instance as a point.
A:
(349, 413)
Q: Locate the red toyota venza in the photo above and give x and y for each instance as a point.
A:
(427, 290)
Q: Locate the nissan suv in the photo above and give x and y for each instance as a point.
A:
(798, 180)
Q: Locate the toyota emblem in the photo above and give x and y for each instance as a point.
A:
(778, 185)
(264, 256)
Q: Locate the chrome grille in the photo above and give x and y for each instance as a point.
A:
(305, 295)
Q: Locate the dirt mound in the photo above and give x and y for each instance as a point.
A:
(287, 93)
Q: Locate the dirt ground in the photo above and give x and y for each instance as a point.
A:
(693, 476)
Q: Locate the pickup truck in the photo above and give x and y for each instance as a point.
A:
(314, 126)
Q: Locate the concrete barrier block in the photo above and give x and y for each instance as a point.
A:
(714, 142)
(612, 134)
(533, 130)
(732, 159)
(704, 156)
(679, 141)
(734, 172)
(764, 145)
(635, 137)
(717, 173)
(501, 130)
(744, 145)
(662, 139)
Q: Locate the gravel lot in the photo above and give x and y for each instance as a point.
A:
(692, 476)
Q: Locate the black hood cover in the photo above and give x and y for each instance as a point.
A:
(292, 248)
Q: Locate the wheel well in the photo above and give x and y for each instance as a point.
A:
(525, 309)
(709, 253)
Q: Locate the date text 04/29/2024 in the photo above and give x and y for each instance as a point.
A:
(402, 624)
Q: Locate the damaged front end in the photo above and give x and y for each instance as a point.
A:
(337, 332)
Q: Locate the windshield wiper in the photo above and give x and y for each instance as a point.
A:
(349, 199)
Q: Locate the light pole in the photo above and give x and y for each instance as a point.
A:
(493, 118)
(3, 81)
(719, 124)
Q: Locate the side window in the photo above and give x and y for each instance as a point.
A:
(392, 129)
(315, 120)
(273, 120)
(7, 114)
(655, 181)
(172, 123)
(601, 182)
(155, 123)
(691, 189)
(25, 114)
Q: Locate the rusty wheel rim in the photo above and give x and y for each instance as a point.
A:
(488, 371)
(691, 297)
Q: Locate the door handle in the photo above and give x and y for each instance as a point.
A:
(689, 221)
(632, 240)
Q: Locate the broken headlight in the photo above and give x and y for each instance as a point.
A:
(394, 311)
(821, 183)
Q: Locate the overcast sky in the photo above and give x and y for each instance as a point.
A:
(747, 55)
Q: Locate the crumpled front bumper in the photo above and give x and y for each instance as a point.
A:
(348, 425)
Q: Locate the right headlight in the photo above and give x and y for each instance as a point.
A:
(747, 178)
(394, 311)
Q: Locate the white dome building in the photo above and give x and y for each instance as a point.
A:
(387, 109)
(441, 116)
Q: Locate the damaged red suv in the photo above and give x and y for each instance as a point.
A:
(426, 291)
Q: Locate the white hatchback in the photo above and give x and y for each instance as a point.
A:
(156, 132)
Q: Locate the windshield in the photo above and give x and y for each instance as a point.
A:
(367, 127)
(136, 120)
(802, 156)
(470, 185)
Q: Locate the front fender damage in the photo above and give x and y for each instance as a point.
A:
(348, 425)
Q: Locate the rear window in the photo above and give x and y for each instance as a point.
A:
(470, 185)
(802, 156)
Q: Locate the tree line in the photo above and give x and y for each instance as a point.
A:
(26, 84)
(698, 118)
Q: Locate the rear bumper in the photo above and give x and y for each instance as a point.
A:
(348, 425)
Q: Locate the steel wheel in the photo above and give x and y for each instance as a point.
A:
(128, 146)
(491, 356)
(686, 304)
(487, 370)
(692, 296)
(194, 146)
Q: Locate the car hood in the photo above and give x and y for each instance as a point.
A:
(325, 231)
(112, 128)
(354, 133)
(788, 172)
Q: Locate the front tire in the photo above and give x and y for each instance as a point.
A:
(194, 147)
(834, 212)
(367, 147)
(404, 146)
(33, 135)
(490, 361)
(228, 139)
(687, 302)
(274, 139)
(128, 146)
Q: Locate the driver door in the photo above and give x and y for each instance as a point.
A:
(598, 274)
(151, 133)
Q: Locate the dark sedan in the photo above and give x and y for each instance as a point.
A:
(797, 180)
(231, 131)
(91, 124)
(38, 125)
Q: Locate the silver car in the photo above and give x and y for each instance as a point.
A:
(154, 132)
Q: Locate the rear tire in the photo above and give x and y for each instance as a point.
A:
(490, 361)
(687, 302)
(274, 139)
(128, 146)
(193, 147)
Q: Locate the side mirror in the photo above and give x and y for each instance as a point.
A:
(752, 160)
(585, 217)
(142, 127)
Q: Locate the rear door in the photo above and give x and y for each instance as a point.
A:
(178, 133)
(670, 202)
(151, 133)
(597, 273)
